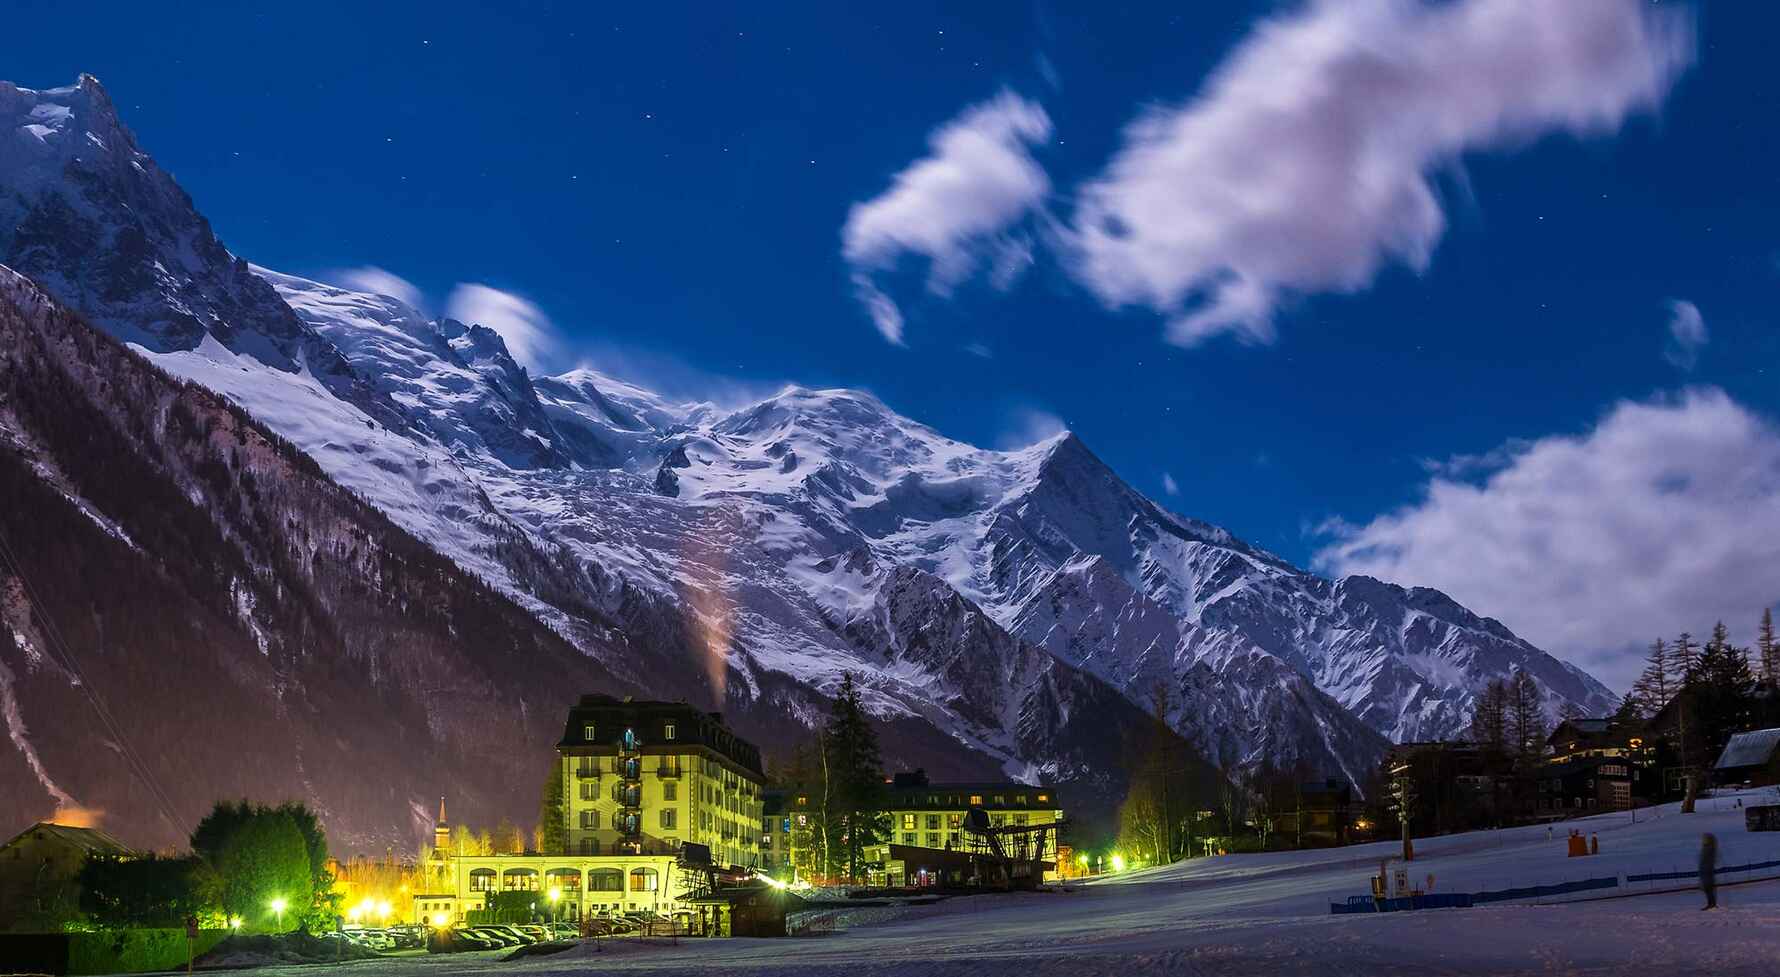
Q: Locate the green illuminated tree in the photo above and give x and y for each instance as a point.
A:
(252, 861)
(252, 855)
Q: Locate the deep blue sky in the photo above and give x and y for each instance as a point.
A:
(670, 181)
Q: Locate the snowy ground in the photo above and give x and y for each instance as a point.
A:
(1269, 914)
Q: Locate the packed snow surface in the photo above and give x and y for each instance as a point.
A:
(1269, 914)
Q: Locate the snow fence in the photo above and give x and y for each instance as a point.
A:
(1466, 900)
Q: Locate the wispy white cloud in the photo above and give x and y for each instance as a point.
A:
(979, 349)
(1028, 426)
(1304, 165)
(1664, 517)
(530, 336)
(1687, 334)
(952, 206)
(1169, 485)
(371, 278)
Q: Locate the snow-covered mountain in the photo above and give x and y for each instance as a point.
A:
(984, 597)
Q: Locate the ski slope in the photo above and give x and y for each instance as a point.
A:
(1268, 915)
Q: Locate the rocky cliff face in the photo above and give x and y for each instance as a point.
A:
(191, 610)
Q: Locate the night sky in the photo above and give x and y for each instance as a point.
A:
(1557, 396)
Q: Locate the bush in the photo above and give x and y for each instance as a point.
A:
(148, 891)
(121, 951)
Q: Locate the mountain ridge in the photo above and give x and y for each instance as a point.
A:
(626, 523)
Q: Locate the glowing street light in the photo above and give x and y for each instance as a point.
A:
(278, 905)
(440, 919)
(1118, 863)
(384, 909)
(234, 922)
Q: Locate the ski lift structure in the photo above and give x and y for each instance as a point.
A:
(994, 856)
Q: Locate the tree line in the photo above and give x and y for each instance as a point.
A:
(252, 866)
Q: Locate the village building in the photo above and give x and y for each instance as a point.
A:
(921, 814)
(1751, 758)
(40, 873)
(642, 780)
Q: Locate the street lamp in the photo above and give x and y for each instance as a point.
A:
(278, 905)
(555, 894)
(1118, 863)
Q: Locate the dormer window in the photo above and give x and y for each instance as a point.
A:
(667, 731)
(587, 732)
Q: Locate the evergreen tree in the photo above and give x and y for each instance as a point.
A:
(552, 821)
(856, 773)
(1724, 690)
(1630, 711)
(253, 856)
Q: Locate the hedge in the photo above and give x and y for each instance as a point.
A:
(118, 951)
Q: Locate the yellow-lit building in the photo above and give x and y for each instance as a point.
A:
(640, 780)
(645, 777)
(924, 814)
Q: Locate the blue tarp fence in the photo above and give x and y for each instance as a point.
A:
(1465, 900)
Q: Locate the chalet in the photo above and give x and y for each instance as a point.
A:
(40, 873)
(1579, 738)
(1586, 784)
(1750, 758)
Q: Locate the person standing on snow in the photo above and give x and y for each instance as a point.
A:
(1709, 870)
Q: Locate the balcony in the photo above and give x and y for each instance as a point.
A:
(668, 770)
(588, 772)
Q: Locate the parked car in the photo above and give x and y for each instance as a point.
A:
(522, 936)
(490, 935)
(459, 940)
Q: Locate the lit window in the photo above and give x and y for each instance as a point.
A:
(587, 732)
(667, 731)
(1042, 798)
(976, 799)
(908, 822)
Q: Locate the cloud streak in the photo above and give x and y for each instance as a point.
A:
(953, 207)
(529, 334)
(1687, 334)
(370, 278)
(1305, 164)
(1664, 517)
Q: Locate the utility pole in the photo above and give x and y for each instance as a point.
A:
(1404, 790)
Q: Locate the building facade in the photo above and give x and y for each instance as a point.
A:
(640, 780)
(646, 777)
(40, 874)
(919, 814)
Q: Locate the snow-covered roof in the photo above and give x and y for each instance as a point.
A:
(1751, 749)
